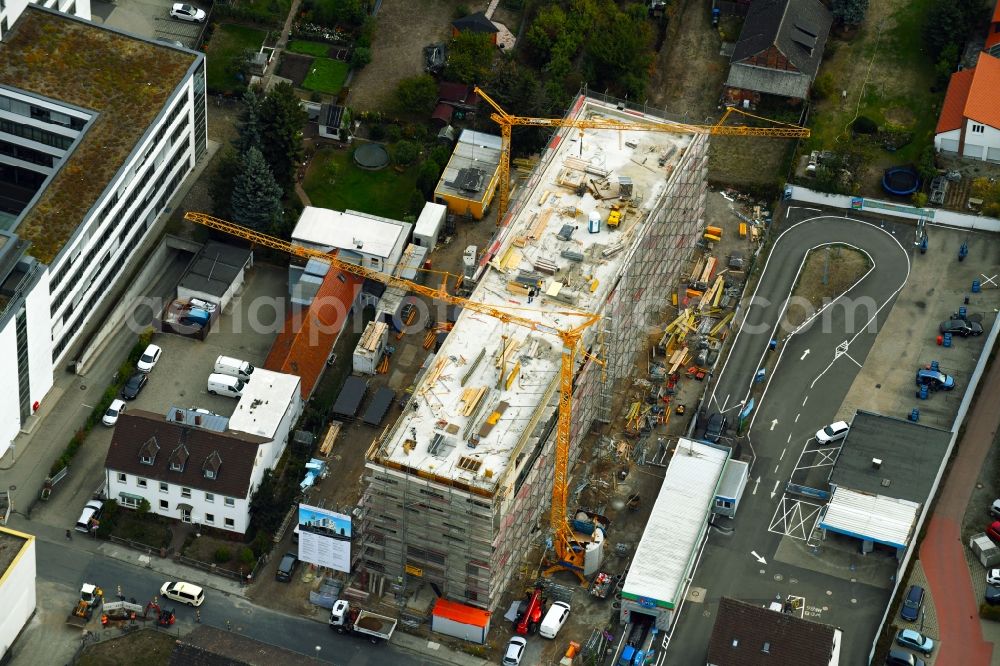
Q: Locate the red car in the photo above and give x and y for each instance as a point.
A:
(993, 531)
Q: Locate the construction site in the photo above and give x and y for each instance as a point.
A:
(607, 238)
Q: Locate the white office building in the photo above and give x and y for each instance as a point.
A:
(10, 10)
(359, 238)
(92, 148)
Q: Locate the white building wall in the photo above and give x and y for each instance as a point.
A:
(200, 506)
(14, 8)
(17, 590)
(39, 339)
(977, 144)
(114, 228)
(10, 411)
(947, 142)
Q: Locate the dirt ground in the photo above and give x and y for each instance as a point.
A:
(295, 67)
(828, 272)
(154, 646)
(404, 28)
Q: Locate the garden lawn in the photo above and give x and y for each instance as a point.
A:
(326, 76)
(898, 83)
(228, 42)
(318, 49)
(343, 185)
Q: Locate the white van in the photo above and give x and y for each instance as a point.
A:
(91, 514)
(225, 385)
(185, 593)
(554, 619)
(234, 367)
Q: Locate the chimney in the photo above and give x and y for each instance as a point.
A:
(876, 464)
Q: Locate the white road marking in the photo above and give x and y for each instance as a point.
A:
(775, 491)
(782, 456)
(776, 469)
(756, 484)
(789, 440)
(758, 557)
(804, 354)
(774, 423)
(797, 417)
(804, 400)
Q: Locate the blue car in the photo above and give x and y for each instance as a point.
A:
(910, 610)
(935, 380)
(915, 640)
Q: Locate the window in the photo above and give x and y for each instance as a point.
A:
(230, 523)
(230, 502)
(210, 498)
(164, 504)
(978, 129)
(122, 478)
(146, 460)
(130, 502)
(164, 487)
(185, 492)
(176, 466)
(209, 473)
(140, 482)
(210, 518)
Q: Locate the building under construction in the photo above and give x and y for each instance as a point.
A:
(455, 488)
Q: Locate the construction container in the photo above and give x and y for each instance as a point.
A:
(713, 238)
(429, 225)
(986, 551)
(715, 231)
(370, 348)
(460, 621)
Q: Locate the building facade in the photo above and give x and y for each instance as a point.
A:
(17, 587)
(10, 10)
(455, 493)
(84, 173)
(969, 124)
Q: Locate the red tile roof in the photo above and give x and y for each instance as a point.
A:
(996, 13)
(306, 340)
(954, 101)
(982, 105)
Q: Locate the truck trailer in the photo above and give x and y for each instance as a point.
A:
(347, 620)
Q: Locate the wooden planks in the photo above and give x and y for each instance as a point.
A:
(471, 397)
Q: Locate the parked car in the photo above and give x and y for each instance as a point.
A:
(515, 650)
(91, 512)
(912, 603)
(962, 327)
(716, 426)
(555, 618)
(992, 596)
(133, 387)
(115, 410)
(915, 640)
(935, 380)
(993, 576)
(286, 568)
(186, 12)
(833, 432)
(184, 593)
(149, 358)
(993, 531)
(995, 508)
(897, 657)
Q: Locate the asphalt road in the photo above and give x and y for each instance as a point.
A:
(63, 566)
(815, 368)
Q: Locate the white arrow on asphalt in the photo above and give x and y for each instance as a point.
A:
(775, 491)
(774, 423)
(758, 557)
(804, 354)
(756, 483)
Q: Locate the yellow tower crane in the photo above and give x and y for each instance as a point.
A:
(569, 551)
(506, 121)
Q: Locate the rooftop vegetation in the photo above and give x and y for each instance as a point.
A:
(124, 80)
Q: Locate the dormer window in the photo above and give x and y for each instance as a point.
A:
(148, 451)
(178, 458)
(212, 464)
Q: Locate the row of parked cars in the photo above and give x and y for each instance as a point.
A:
(910, 611)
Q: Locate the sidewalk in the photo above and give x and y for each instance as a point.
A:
(942, 551)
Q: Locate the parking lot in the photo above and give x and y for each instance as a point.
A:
(147, 18)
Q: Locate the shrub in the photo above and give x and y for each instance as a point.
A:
(823, 87)
(919, 199)
(247, 556)
(362, 56)
(988, 612)
(393, 133)
(405, 152)
(143, 507)
(376, 132)
(222, 555)
(417, 201)
(864, 125)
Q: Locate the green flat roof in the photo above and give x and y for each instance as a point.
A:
(125, 80)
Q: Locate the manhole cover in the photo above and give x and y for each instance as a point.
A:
(778, 577)
(83, 387)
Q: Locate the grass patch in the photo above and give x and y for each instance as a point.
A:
(318, 49)
(326, 76)
(229, 42)
(828, 272)
(154, 646)
(151, 529)
(335, 182)
(898, 91)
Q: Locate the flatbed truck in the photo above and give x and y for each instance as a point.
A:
(360, 622)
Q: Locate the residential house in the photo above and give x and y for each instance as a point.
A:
(969, 124)
(779, 50)
(751, 635)
(190, 474)
(477, 22)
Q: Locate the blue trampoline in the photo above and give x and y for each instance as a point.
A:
(901, 181)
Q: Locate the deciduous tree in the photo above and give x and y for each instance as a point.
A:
(416, 94)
